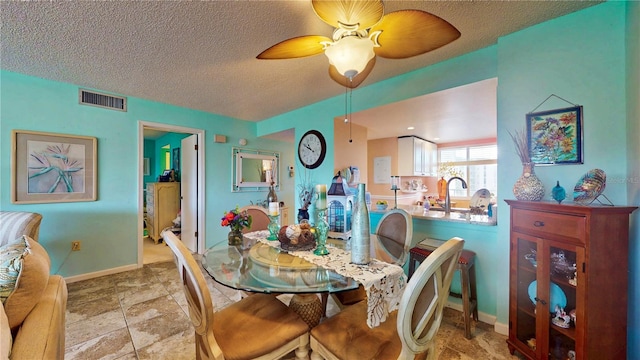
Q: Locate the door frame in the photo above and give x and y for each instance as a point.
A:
(200, 178)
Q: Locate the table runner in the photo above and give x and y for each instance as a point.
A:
(383, 282)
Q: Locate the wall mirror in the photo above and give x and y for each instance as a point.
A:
(254, 170)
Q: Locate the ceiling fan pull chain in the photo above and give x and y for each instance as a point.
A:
(350, 109)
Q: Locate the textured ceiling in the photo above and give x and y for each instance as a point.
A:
(201, 55)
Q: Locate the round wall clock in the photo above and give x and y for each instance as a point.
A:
(312, 149)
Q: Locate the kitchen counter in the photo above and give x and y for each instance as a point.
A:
(456, 215)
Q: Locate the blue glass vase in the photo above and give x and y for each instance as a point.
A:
(558, 193)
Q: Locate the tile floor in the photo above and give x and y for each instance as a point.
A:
(142, 314)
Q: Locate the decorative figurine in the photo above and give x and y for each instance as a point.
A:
(558, 193)
(562, 319)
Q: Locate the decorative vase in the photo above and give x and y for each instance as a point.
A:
(303, 214)
(235, 237)
(558, 193)
(442, 188)
(272, 196)
(360, 231)
(528, 187)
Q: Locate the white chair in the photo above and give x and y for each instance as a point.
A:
(256, 327)
(259, 218)
(408, 332)
(394, 233)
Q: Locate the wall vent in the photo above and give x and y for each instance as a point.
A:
(102, 100)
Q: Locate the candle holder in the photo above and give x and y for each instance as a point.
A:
(322, 228)
(395, 182)
(273, 227)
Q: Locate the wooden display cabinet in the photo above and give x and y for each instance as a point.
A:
(577, 256)
(163, 205)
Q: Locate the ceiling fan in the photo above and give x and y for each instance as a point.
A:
(362, 33)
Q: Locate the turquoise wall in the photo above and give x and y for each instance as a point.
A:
(108, 227)
(580, 57)
(149, 151)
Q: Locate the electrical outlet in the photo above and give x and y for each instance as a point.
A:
(75, 246)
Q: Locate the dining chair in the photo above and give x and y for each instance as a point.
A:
(259, 218)
(256, 327)
(394, 233)
(409, 332)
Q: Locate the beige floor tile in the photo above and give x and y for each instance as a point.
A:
(94, 326)
(143, 314)
(109, 346)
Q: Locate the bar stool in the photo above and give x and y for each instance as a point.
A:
(466, 261)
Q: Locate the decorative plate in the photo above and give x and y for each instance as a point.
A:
(480, 199)
(557, 296)
(590, 186)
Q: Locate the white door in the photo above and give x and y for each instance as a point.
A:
(189, 192)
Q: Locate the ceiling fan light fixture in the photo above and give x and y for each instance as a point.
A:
(350, 55)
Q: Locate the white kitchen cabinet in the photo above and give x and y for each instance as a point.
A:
(417, 157)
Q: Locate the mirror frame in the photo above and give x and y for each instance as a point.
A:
(238, 155)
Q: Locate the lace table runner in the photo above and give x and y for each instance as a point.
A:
(383, 282)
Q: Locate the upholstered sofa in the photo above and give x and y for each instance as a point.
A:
(32, 318)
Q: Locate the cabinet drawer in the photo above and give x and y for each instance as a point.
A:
(549, 224)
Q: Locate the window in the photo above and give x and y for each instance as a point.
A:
(477, 164)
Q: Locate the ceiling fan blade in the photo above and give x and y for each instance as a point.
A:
(296, 47)
(407, 33)
(363, 13)
(357, 80)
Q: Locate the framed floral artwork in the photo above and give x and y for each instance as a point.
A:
(555, 136)
(47, 167)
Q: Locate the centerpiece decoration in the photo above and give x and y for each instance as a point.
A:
(528, 187)
(305, 194)
(297, 237)
(236, 220)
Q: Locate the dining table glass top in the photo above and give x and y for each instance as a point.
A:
(268, 269)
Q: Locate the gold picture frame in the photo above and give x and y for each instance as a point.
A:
(51, 168)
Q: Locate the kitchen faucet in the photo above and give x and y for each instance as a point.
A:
(447, 200)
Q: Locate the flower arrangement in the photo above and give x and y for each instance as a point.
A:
(236, 220)
(447, 170)
(381, 202)
(522, 147)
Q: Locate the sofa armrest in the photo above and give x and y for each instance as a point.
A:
(42, 333)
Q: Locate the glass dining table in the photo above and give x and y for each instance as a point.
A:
(263, 267)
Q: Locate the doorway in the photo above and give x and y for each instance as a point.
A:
(196, 197)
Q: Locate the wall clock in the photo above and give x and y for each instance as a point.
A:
(312, 149)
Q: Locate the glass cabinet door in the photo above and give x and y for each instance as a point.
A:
(563, 299)
(526, 278)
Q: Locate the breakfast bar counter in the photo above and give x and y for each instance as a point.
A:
(480, 234)
(456, 215)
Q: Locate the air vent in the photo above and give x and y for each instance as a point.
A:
(103, 100)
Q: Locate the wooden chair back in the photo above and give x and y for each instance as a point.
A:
(198, 298)
(259, 218)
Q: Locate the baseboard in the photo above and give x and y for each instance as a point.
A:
(500, 328)
(484, 317)
(87, 276)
